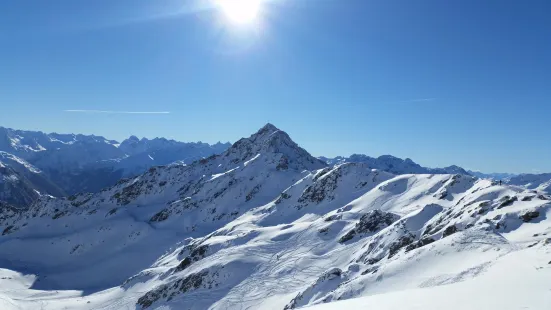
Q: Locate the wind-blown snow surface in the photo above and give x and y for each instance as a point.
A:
(267, 226)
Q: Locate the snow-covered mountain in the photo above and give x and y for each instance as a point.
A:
(15, 189)
(80, 163)
(540, 182)
(39, 180)
(265, 225)
(494, 176)
(394, 165)
(134, 146)
(141, 154)
(26, 144)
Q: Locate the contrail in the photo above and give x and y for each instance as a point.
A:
(419, 100)
(118, 112)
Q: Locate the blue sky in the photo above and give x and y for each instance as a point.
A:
(442, 82)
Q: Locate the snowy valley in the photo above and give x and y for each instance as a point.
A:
(263, 224)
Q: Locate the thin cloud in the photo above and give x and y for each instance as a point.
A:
(117, 112)
(176, 11)
(415, 100)
(419, 100)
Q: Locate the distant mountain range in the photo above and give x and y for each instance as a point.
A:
(69, 163)
(394, 165)
(496, 176)
(398, 165)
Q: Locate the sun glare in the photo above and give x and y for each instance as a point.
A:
(240, 11)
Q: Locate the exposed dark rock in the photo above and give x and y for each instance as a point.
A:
(281, 197)
(189, 283)
(420, 243)
(82, 201)
(370, 222)
(372, 261)
(252, 193)
(75, 248)
(59, 214)
(375, 220)
(370, 270)
(443, 195)
(348, 236)
(529, 216)
(194, 256)
(396, 246)
(129, 193)
(111, 212)
(507, 201)
(160, 216)
(323, 230)
(484, 204)
(450, 230)
(320, 190)
(283, 163)
(9, 230)
(203, 161)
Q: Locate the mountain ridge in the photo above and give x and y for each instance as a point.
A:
(78, 163)
(203, 235)
(395, 165)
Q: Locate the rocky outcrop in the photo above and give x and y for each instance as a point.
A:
(190, 283)
(370, 222)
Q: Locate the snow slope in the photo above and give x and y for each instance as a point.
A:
(496, 288)
(15, 188)
(34, 176)
(265, 225)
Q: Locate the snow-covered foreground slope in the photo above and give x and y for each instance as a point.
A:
(267, 226)
(519, 280)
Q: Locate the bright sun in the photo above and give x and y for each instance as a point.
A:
(240, 11)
